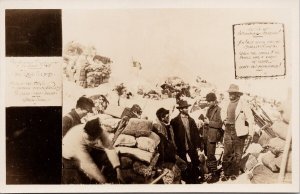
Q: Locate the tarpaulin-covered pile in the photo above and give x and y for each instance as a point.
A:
(83, 66)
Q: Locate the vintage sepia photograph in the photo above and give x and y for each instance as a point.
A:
(151, 97)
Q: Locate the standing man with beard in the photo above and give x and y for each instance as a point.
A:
(238, 127)
(187, 141)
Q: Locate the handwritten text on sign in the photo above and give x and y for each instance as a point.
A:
(33, 81)
(259, 50)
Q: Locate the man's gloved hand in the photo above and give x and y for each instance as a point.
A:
(248, 141)
(101, 179)
(225, 122)
(249, 138)
(255, 137)
(206, 121)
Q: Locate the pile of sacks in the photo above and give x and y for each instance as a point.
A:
(262, 161)
(137, 146)
(137, 150)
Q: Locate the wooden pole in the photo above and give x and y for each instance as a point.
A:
(287, 141)
(270, 120)
(285, 156)
(158, 178)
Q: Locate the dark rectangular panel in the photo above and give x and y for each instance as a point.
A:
(33, 32)
(33, 145)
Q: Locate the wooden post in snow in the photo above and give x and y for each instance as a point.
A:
(285, 156)
(288, 141)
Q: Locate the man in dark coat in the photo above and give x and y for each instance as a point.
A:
(187, 141)
(84, 105)
(162, 128)
(212, 134)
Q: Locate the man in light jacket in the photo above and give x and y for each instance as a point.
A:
(238, 126)
(85, 148)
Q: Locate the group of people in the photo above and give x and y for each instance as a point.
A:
(86, 147)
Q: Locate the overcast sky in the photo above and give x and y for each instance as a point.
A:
(180, 42)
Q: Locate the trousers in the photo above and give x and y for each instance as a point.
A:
(194, 169)
(233, 151)
(72, 174)
(211, 158)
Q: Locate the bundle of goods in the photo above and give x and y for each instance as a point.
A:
(97, 74)
(152, 94)
(174, 85)
(270, 158)
(108, 123)
(250, 157)
(137, 149)
(84, 67)
(114, 111)
(137, 146)
(263, 157)
(263, 175)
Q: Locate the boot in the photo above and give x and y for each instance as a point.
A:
(213, 178)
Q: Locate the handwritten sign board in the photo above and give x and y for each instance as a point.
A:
(33, 81)
(259, 50)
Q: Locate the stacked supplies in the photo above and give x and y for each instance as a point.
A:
(84, 66)
(270, 158)
(137, 147)
(108, 123)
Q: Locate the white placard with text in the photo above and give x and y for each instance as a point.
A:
(33, 81)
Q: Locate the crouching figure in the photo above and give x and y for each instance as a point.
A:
(88, 156)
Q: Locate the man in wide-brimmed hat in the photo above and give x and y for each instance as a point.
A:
(238, 126)
(187, 141)
(234, 89)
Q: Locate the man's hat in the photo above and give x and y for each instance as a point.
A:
(160, 113)
(211, 97)
(234, 89)
(164, 86)
(182, 104)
